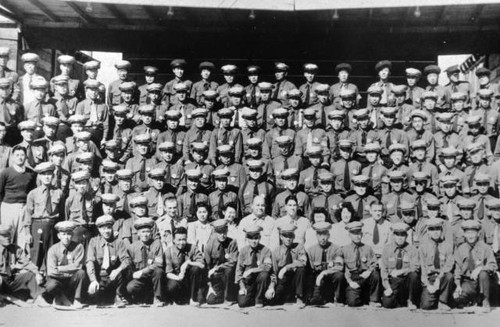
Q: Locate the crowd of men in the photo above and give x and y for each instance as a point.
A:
(260, 194)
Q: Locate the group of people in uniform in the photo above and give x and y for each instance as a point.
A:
(263, 194)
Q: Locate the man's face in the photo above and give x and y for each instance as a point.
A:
(81, 186)
(279, 75)
(400, 238)
(158, 183)
(111, 153)
(450, 190)
(142, 148)
(178, 72)
(384, 73)
(125, 184)
(285, 149)
(323, 97)
(181, 96)
(420, 186)
(149, 79)
(388, 120)
(39, 94)
(371, 157)
(19, 157)
(411, 81)
(400, 98)
(484, 80)
(230, 214)
(140, 210)
(360, 189)
(4, 92)
(345, 153)
(484, 102)
(91, 73)
(167, 155)
(315, 161)
(199, 122)
(208, 104)
(495, 214)
(221, 235)
(336, 124)
(57, 159)
(76, 128)
(374, 99)
(432, 78)
(225, 122)
(65, 237)
(476, 156)
(309, 77)
(265, 95)
(429, 104)
(356, 236)
(287, 240)
(61, 89)
(309, 121)
(347, 103)
(396, 185)
(323, 238)
(417, 123)
(205, 74)
(471, 236)
(92, 93)
(145, 234)
(198, 156)
(29, 68)
(482, 187)
(255, 173)
(122, 74)
(171, 208)
(4, 240)
(221, 183)
(106, 232)
(192, 184)
(46, 177)
(454, 77)
(154, 96)
(449, 162)
(376, 212)
(291, 208)
(235, 100)
(409, 217)
(126, 96)
(466, 213)
(435, 232)
(3, 61)
(326, 187)
(343, 76)
(280, 121)
(229, 78)
(259, 207)
(458, 105)
(27, 134)
(147, 119)
(108, 208)
(253, 240)
(254, 79)
(66, 69)
(49, 130)
(396, 157)
(291, 183)
(419, 154)
(172, 124)
(363, 122)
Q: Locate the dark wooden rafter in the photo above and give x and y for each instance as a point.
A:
(476, 15)
(407, 16)
(81, 13)
(442, 15)
(153, 13)
(118, 14)
(370, 17)
(46, 11)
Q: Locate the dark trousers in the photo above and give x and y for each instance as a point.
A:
(430, 301)
(369, 290)
(256, 285)
(22, 285)
(108, 288)
(140, 289)
(475, 290)
(181, 291)
(43, 238)
(290, 287)
(223, 285)
(332, 288)
(404, 288)
(73, 287)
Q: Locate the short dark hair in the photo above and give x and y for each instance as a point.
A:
(180, 231)
(230, 205)
(322, 211)
(290, 198)
(19, 148)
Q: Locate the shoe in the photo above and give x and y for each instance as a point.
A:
(259, 305)
(375, 305)
(158, 303)
(443, 307)
(194, 303)
(77, 305)
(120, 302)
(300, 304)
(486, 306)
(41, 302)
(411, 306)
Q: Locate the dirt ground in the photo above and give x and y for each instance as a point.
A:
(283, 316)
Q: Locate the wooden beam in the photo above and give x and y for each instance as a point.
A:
(407, 16)
(81, 13)
(118, 14)
(370, 17)
(476, 16)
(442, 15)
(153, 13)
(46, 11)
(10, 12)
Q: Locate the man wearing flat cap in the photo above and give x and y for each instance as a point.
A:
(455, 84)
(147, 258)
(383, 69)
(226, 134)
(106, 263)
(11, 113)
(308, 95)
(150, 75)
(266, 106)
(270, 148)
(113, 97)
(253, 270)
(178, 67)
(96, 112)
(413, 92)
(431, 73)
(30, 67)
(66, 278)
(252, 90)
(282, 85)
(6, 72)
(229, 73)
(75, 86)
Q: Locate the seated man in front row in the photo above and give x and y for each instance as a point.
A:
(107, 263)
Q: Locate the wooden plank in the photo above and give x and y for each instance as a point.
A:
(118, 14)
(358, 4)
(46, 11)
(81, 13)
(10, 12)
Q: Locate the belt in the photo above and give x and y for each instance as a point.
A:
(43, 219)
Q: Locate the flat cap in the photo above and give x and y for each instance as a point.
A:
(322, 227)
(105, 220)
(194, 174)
(432, 69)
(110, 198)
(471, 224)
(221, 173)
(150, 70)
(123, 64)
(66, 60)
(229, 69)
(127, 86)
(383, 64)
(30, 57)
(157, 173)
(67, 226)
(142, 138)
(343, 66)
(144, 222)
(281, 67)
(91, 65)
(434, 222)
(139, 201)
(466, 204)
(375, 90)
(82, 136)
(284, 140)
(77, 119)
(80, 176)
(266, 86)
(354, 226)
(178, 63)
(252, 229)
(45, 167)
(413, 72)
(399, 228)
(280, 112)
(220, 225)
(26, 125)
(124, 174)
